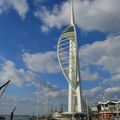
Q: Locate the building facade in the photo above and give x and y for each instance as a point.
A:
(109, 109)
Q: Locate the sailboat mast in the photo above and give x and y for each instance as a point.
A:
(38, 101)
(47, 101)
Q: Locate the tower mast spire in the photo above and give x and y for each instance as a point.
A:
(72, 14)
(68, 58)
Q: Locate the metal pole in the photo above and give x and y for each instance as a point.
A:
(87, 109)
(118, 110)
(103, 107)
(47, 101)
(38, 101)
(73, 106)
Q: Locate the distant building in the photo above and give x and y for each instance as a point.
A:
(94, 109)
(109, 109)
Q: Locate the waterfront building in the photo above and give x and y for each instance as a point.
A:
(109, 109)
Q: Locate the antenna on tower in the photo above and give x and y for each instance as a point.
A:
(72, 14)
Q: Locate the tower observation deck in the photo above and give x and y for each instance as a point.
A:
(68, 58)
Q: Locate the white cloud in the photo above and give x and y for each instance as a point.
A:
(101, 15)
(92, 92)
(18, 77)
(21, 6)
(102, 57)
(42, 62)
(58, 93)
(112, 90)
(44, 29)
(103, 54)
(54, 18)
(90, 76)
(51, 92)
(116, 77)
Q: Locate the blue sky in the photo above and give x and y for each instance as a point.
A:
(29, 32)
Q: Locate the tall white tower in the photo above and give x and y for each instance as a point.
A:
(68, 58)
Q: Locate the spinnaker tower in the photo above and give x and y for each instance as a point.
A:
(68, 57)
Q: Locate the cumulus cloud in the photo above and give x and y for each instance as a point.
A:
(103, 54)
(51, 92)
(59, 93)
(42, 62)
(100, 60)
(90, 76)
(21, 6)
(54, 18)
(116, 77)
(18, 77)
(92, 92)
(112, 90)
(100, 15)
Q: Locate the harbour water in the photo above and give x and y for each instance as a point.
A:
(21, 117)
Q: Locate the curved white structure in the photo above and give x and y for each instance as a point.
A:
(69, 62)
